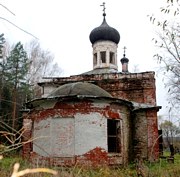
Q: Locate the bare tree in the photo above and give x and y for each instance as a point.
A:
(168, 43)
(169, 57)
(42, 64)
(170, 131)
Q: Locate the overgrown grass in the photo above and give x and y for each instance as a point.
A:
(7, 163)
(165, 169)
(160, 169)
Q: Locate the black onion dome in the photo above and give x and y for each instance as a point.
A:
(124, 59)
(104, 32)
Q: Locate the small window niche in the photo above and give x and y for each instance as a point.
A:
(103, 56)
(112, 58)
(114, 136)
(95, 59)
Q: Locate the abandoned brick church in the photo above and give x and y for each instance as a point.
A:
(102, 116)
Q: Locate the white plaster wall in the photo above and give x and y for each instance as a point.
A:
(47, 90)
(100, 104)
(54, 137)
(62, 137)
(66, 137)
(90, 132)
(41, 137)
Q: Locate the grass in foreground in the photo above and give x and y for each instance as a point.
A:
(160, 169)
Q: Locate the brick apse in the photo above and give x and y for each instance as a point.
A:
(100, 117)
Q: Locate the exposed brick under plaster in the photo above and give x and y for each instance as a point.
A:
(85, 107)
(69, 110)
(95, 157)
(138, 87)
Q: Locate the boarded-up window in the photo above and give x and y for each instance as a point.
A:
(114, 134)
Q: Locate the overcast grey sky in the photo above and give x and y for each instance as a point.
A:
(63, 27)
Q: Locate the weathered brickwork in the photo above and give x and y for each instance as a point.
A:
(84, 114)
(76, 129)
(27, 146)
(138, 87)
(140, 139)
(153, 143)
(96, 157)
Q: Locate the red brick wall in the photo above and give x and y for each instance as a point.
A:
(145, 134)
(152, 126)
(138, 87)
(139, 135)
(27, 136)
